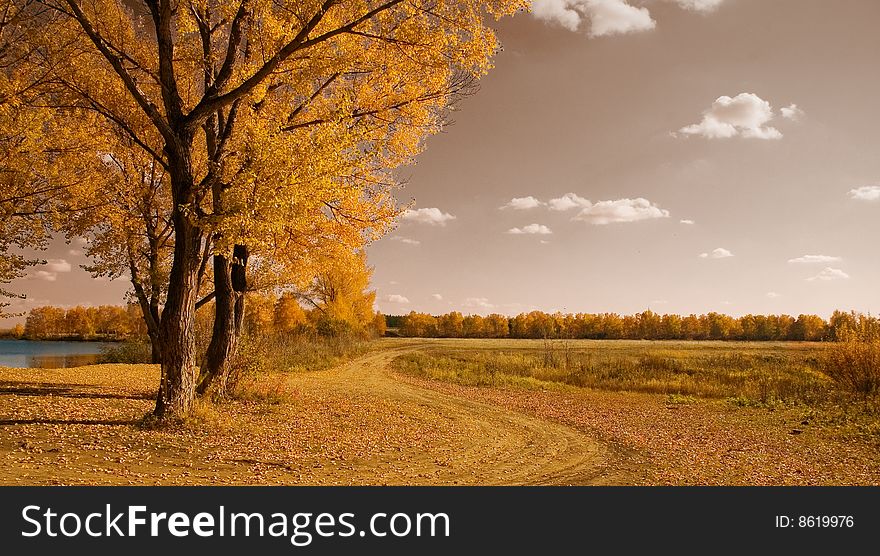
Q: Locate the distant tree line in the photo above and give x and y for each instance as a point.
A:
(642, 326)
(106, 322)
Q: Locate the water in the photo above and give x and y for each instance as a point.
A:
(48, 354)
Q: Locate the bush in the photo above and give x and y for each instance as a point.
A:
(854, 363)
(132, 351)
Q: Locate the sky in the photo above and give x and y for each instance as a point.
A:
(711, 156)
(683, 156)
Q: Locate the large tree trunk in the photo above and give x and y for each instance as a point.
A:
(230, 285)
(177, 326)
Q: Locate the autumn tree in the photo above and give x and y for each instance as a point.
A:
(288, 315)
(340, 296)
(268, 113)
(36, 168)
(497, 326)
(418, 325)
(451, 325)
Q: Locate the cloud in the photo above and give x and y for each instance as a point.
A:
(531, 229)
(719, 253)
(396, 298)
(744, 115)
(687, 222)
(699, 5)
(437, 296)
(809, 259)
(829, 274)
(58, 265)
(615, 17)
(621, 210)
(866, 193)
(569, 201)
(772, 295)
(478, 303)
(74, 252)
(791, 112)
(431, 216)
(523, 203)
(44, 275)
(406, 240)
(607, 17)
(561, 12)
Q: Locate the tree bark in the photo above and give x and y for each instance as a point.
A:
(230, 285)
(177, 326)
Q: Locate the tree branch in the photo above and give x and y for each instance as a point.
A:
(151, 110)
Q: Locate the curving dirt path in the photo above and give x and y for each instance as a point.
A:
(490, 445)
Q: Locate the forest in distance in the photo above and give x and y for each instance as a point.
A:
(268, 313)
(646, 325)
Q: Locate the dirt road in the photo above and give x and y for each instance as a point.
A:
(355, 424)
(492, 445)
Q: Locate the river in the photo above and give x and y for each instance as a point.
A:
(48, 354)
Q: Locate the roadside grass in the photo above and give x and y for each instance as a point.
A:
(259, 372)
(744, 374)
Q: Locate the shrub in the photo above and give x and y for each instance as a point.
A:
(854, 363)
(133, 351)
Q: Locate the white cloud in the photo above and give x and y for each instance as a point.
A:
(74, 252)
(699, 5)
(58, 265)
(772, 295)
(437, 296)
(829, 274)
(607, 17)
(432, 216)
(687, 222)
(396, 298)
(406, 240)
(809, 259)
(44, 275)
(523, 203)
(621, 210)
(865, 193)
(744, 115)
(791, 112)
(531, 229)
(569, 201)
(557, 11)
(478, 303)
(718, 253)
(614, 17)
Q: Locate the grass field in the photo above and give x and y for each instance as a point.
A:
(768, 375)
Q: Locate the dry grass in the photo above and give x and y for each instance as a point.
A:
(762, 375)
(855, 364)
